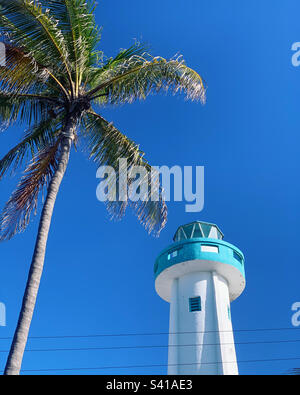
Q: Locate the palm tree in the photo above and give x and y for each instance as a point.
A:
(54, 80)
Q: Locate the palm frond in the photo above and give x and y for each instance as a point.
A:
(77, 22)
(37, 176)
(106, 145)
(20, 73)
(21, 63)
(96, 74)
(29, 108)
(28, 25)
(35, 140)
(140, 76)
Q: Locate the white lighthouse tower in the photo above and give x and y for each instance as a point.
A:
(199, 275)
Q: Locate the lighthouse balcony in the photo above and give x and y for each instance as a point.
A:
(200, 249)
(200, 254)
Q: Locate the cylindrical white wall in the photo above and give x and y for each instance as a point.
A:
(201, 342)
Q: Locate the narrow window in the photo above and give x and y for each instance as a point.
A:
(172, 254)
(209, 248)
(195, 304)
(238, 257)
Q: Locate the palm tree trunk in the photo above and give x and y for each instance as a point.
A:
(15, 357)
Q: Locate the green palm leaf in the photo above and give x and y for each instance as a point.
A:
(26, 108)
(20, 74)
(94, 77)
(139, 76)
(37, 176)
(35, 140)
(30, 26)
(77, 23)
(107, 145)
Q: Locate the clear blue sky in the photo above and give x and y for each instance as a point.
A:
(98, 276)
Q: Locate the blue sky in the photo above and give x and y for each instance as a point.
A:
(98, 276)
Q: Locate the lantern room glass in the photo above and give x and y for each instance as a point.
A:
(198, 229)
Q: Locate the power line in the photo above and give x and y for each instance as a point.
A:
(157, 346)
(152, 333)
(159, 365)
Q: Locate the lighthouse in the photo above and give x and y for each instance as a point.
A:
(200, 274)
